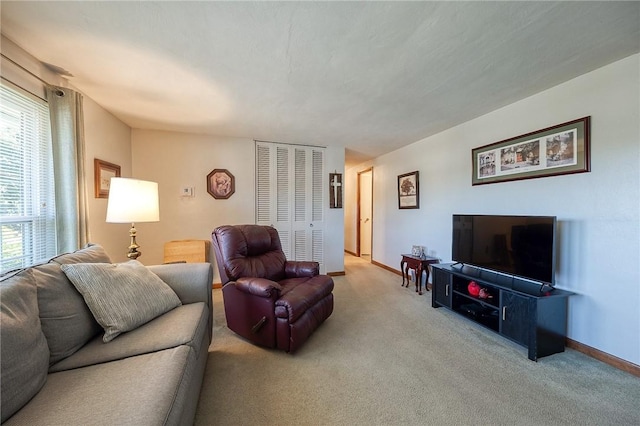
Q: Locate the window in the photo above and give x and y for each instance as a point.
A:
(27, 198)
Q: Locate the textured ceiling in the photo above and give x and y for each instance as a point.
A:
(368, 76)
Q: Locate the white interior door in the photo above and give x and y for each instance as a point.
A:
(366, 212)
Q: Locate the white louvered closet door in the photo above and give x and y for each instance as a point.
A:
(289, 196)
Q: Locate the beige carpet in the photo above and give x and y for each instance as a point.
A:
(386, 357)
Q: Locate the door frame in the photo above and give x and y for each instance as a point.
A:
(359, 212)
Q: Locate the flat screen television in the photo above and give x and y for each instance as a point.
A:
(523, 246)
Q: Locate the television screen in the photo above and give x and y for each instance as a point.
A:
(517, 245)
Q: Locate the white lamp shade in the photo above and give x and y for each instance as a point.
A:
(132, 200)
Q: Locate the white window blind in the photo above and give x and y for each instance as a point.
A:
(27, 203)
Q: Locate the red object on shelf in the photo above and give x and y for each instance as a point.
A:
(473, 288)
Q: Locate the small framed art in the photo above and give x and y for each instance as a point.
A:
(408, 191)
(221, 184)
(103, 171)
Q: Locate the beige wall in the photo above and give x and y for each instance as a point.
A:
(334, 222)
(177, 160)
(598, 212)
(109, 139)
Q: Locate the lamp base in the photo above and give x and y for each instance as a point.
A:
(133, 252)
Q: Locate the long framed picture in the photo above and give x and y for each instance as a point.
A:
(556, 150)
(102, 173)
(408, 191)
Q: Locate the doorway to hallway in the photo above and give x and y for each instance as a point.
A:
(364, 229)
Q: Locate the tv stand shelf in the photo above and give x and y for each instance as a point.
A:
(525, 312)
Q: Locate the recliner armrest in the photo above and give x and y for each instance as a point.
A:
(261, 287)
(296, 269)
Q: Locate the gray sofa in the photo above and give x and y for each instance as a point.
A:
(57, 369)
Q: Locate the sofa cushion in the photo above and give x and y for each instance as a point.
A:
(66, 320)
(141, 390)
(24, 355)
(121, 296)
(92, 253)
(184, 325)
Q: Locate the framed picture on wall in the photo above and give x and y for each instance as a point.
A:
(408, 191)
(556, 150)
(221, 184)
(103, 171)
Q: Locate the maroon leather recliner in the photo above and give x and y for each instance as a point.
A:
(269, 300)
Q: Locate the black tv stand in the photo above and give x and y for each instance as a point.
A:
(517, 309)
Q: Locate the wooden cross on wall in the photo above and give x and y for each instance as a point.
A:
(335, 193)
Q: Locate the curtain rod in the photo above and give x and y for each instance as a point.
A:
(28, 72)
(23, 68)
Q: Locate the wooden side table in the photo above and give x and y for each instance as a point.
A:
(186, 251)
(419, 265)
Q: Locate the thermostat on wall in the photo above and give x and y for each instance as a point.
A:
(186, 191)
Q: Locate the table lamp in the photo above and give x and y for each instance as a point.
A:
(130, 201)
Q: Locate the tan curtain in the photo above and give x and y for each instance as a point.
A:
(67, 134)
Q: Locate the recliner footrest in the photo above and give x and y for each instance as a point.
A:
(302, 296)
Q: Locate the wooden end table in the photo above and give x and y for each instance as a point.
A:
(419, 265)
